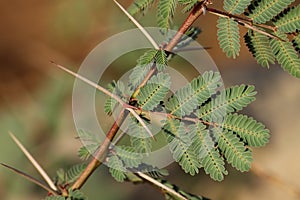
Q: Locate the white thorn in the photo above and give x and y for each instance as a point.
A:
(147, 35)
(34, 162)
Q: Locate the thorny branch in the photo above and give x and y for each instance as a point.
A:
(101, 152)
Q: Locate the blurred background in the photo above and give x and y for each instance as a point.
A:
(35, 102)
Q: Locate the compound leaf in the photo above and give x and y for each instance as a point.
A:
(116, 168)
(234, 150)
(165, 12)
(259, 45)
(288, 21)
(261, 11)
(236, 6)
(189, 4)
(129, 156)
(180, 144)
(74, 172)
(229, 37)
(252, 132)
(210, 158)
(139, 5)
(286, 55)
(140, 139)
(230, 100)
(154, 91)
(188, 98)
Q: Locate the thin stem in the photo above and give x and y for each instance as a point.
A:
(160, 185)
(238, 18)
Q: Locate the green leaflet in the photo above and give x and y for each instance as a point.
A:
(236, 6)
(178, 191)
(91, 143)
(87, 150)
(286, 55)
(144, 64)
(180, 144)
(234, 151)
(129, 156)
(154, 91)
(189, 4)
(74, 172)
(289, 20)
(175, 188)
(55, 198)
(296, 42)
(140, 139)
(264, 10)
(118, 88)
(161, 60)
(229, 37)
(230, 100)
(147, 58)
(210, 158)
(109, 105)
(259, 45)
(116, 168)
(87, 136)
(139, 5)
(251, 131)
(188, 98)
(138, 74)
(153, 171)
(76, 195)
(208, 155)
(165, 13)
(197, 130)
(72, 195)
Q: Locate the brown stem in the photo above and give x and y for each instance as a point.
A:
(239, 18)
(101, 152)
(195, 13)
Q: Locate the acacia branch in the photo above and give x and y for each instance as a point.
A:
(101, 152)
